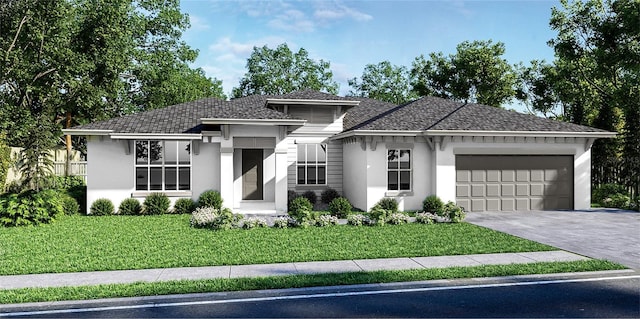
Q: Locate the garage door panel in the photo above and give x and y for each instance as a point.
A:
(464, 203)
(514, 182)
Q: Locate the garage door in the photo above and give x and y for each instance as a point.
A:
(514, 182)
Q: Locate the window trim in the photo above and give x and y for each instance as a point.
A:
(163, 166)
(398, 170)
(316, 165)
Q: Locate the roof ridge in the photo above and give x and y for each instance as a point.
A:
(447, 116)
(380, 115)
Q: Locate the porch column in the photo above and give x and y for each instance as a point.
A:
(281, 179)
(445, 172)
(226, 173)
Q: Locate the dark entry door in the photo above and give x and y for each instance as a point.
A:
(252, 174)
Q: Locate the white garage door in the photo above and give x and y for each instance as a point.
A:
(514, 182)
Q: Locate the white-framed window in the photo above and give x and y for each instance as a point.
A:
(163, 165)
(312, 164)
(399, 170)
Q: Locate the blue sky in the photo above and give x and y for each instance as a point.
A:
(351, 34)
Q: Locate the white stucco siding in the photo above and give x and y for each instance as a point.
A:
(205, 169)
(110, 171)
(445, 183)
(354, 177)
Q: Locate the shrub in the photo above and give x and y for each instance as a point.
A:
(397, 218)
(254, 222)
(379, 215)
(617, 200)
(69, 204)
(358, 220)
(184, 206)
(311, 196)
(30, 208)
(389, 204)
(328, 195)
(605, 191)
(282, 222)
(432, 204)
(202, 217)
(326, 220)
(426, 218)
(156, 204)
(300, 209)
(74, 186)
(225, 219)
(453, 212)
(340, 207)
(130, 206)
(210, 198)
(101, 207)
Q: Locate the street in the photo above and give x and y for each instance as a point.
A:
(613, 296)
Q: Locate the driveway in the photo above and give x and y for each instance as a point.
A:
(599, 233)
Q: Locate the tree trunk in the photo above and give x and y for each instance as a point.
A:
(67, 167)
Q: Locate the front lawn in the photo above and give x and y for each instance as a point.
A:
(92, 243)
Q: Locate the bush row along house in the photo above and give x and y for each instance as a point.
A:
(257, 148)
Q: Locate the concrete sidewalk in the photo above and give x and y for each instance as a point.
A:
(282, 269)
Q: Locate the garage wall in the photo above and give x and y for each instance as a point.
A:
(445, 184)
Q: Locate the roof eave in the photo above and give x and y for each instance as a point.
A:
(85, 132)
(265, 122)
(602, 134)
(313, 102)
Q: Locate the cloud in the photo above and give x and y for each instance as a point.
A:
(340, 11)
(292, 20)
(198, 23)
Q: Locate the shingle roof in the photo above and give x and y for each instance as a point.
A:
(433, 113)
(429, 113)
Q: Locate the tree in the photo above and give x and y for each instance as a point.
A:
(384, 82)
(475, 73)
(280, 71)
(599, 41)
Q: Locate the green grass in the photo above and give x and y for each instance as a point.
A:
(294, 281)
(93, 243)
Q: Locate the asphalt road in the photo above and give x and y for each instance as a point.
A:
(611, 296)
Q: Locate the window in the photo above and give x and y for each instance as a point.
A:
(399, 170)
(312, 164)
(163, 165)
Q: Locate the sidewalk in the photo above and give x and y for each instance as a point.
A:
(282, 269)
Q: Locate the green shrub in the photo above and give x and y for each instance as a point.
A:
(156, 204)
(101, 207)
(300, 209)
(210, 198)
(328, 195)
(454, 212)
(291, 195)
(358, 220)
(225, 219)
(184, 206)
(130, 206)
(389, 204)
(311, 196)
(69, 204)
(602, 192)
(379, 215)
(617, 200)
(282, 222)
(397, 218)
(74, 186)
(326, 220)
(340, 207)
(254, 222)
(30, 208)
(432, 204)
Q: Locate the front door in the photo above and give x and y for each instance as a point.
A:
(252, 174)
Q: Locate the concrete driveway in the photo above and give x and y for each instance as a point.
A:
(599, 233)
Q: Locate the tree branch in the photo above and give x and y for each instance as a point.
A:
(15, 38)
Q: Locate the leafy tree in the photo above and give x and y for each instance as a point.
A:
(599, 41)
(384, 82)
(477, 72)
(5, 161)
(280, 71)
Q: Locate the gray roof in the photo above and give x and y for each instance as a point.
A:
(433, 113)
(429, 113)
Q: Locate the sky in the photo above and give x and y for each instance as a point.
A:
(352, 34)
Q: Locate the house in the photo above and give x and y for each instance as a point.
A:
(257, 148)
